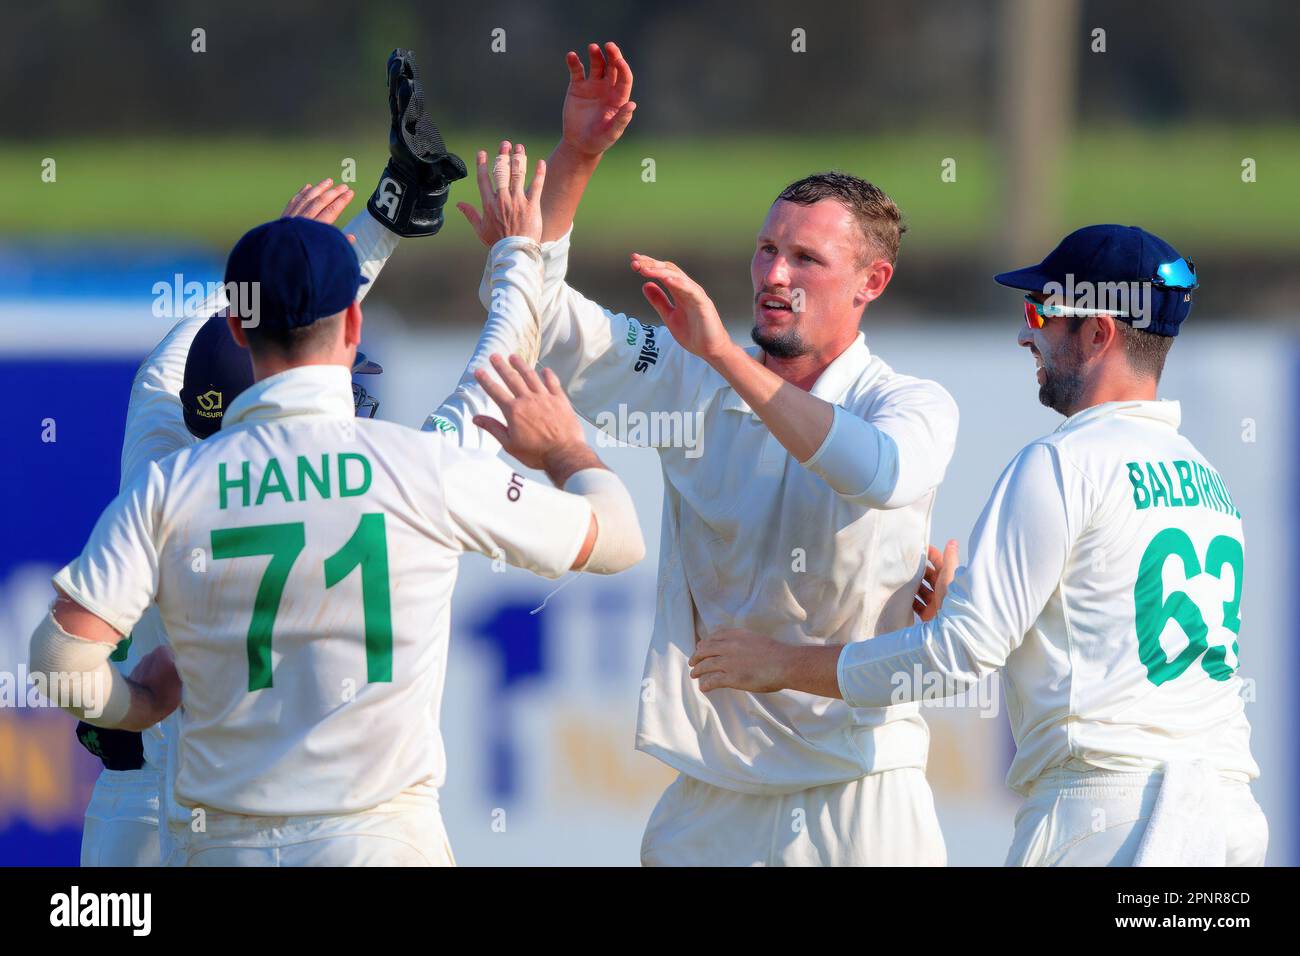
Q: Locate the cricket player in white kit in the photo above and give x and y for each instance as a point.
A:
(309, 733)
(1104, 582)
(122, 818)
(179, 396)
(801, 507)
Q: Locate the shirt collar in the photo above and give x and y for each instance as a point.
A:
(304, 390)
(1163, 412)
(830, 385)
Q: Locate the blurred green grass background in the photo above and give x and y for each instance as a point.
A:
(708, 194)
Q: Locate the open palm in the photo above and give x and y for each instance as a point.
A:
(689, 314)
(597, 106)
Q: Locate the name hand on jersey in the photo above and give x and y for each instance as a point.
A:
(348, 477)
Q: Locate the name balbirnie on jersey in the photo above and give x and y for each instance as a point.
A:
(1197, 484)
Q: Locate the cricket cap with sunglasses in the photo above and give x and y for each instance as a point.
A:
(1092, 262)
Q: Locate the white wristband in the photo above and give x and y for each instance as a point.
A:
(619, 544)
(79, 677)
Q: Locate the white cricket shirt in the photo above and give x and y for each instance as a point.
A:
(155, 427)
(809, 553)
(302, 561)
(1105, 577)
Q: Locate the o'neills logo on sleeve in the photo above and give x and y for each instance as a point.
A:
(649, 353)
(134, 910)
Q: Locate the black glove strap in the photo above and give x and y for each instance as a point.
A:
(118, 749)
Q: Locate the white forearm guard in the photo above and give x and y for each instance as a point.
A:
(80, 678)
(619, 544)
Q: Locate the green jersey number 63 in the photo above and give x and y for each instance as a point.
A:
(1155, 608)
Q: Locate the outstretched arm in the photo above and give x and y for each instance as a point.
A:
(414, 186)
(597, 110)
(515, 280)
(540, 430)
(1019, 550)
(605, 362)
(886, 459)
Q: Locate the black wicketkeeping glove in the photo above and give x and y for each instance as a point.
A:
(418, 178)
(118, 749)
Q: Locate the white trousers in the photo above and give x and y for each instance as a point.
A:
(882, 819)
(406, 831)
(1098, 818)
(121, 826)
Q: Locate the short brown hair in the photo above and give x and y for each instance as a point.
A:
(1146, 352)
(296, 343)
(876, 213)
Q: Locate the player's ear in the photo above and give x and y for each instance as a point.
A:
(352, 325)
(236, 327)
(874, 280)
(1105, 333)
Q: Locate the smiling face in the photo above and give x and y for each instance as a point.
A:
(813, 273)
(1059, 358)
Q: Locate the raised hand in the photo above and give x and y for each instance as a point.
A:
(508, 209)
(416, 182)
(597, 105)
(690, 314)
(323, 202)
(540, 425)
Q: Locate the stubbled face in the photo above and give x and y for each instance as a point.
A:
(809, 259)
(1058, 354)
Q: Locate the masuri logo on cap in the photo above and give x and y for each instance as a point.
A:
(216, 369)
(209, 401)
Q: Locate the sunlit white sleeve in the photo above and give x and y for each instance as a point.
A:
(555, 266)
(496, 511)
(609, 363)
(373, 247)
(155, 425)
(116, 575)
(895, 453)
(515, 281)
(1018, 553)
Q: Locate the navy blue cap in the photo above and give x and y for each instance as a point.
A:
(1104, 254)
(217, 369)
(304, 270)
